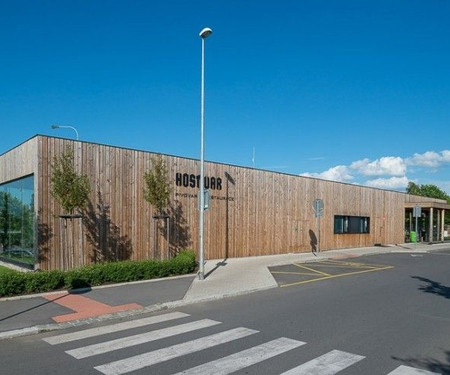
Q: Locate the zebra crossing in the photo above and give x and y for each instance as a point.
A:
(327, 364)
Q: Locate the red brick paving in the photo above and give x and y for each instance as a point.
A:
(84, 307)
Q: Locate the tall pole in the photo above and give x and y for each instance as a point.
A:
(417, 230)
(318, 234)
(201, 274)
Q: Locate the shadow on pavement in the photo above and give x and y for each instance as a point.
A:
(223, 263)
(433, 287)
(29, 309)
(431, 364)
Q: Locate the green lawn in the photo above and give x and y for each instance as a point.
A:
(5, 270)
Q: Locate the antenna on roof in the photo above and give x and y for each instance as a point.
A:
(253, 157)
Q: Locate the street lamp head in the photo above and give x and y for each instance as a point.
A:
(65, 127)
(205, 33)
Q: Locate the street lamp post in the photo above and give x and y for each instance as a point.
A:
(201, 274)
(66, 127)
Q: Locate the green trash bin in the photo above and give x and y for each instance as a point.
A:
(413, 236)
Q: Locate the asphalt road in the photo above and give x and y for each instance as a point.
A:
(396, 315)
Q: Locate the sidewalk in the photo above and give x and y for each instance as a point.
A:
(223, 278)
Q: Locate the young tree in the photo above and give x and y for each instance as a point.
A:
(70, 189)
(157, 189)
(157, 192)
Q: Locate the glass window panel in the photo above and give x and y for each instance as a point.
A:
(338, 224)
(17, 221)
(351, 224)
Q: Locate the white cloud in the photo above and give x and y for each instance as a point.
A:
(339, 173)
(389, 183)
(316, 158)
(429, 159)
(444, 185)
(387, 165)
(392, 170)
(446, 155)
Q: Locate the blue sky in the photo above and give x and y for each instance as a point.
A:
(355, 91)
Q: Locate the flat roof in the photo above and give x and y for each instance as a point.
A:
(424, 204)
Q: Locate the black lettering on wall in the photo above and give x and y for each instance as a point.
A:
(193, 181)
(178, 179)
(185, 180)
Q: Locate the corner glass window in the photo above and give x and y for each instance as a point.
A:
(17, 222)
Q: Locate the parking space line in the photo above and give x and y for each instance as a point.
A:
(311, 269)
(336, 276)
(294, 273)
(337, 265)
(366, 265)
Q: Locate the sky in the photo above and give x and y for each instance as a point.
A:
(352, 91)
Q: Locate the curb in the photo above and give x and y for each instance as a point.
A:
(123, 314)
(179, 303)
(83, 290)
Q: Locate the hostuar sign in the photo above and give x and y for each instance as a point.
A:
(193, 181)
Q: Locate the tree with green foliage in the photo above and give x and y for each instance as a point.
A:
(69, 188)
(430, 191)
(413, 189)
(157, 192)
(157, 189)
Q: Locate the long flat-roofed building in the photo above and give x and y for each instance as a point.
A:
(252, 212)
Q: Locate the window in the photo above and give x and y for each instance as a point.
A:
(351, 224)
(17, 221)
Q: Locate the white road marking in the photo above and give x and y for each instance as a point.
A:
(147, 359)
(245, 358)
(327, 364)
(141, 338)
(405, 370)
(93, 332)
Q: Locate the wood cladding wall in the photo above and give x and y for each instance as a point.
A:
(19, 162)
(252, 212)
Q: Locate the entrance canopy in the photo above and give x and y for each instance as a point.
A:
(434, 215)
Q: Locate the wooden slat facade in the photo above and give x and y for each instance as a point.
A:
(252, 212)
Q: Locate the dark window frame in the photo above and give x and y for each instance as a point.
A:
(347, 224)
